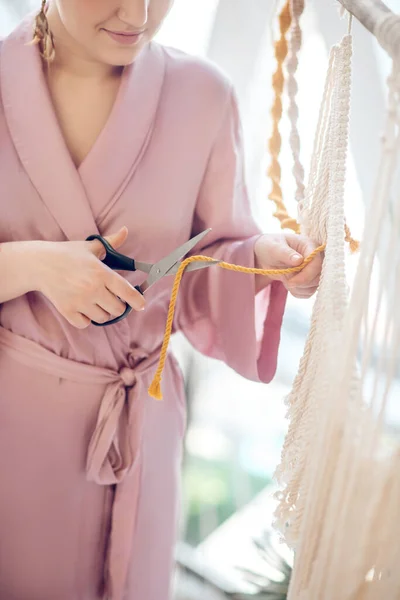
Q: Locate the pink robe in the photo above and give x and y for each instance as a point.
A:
(89, 463)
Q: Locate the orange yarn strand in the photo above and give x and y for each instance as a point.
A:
(155, 387)
(354, 244)
(275, 141)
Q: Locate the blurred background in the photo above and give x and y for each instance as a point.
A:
(236, 427)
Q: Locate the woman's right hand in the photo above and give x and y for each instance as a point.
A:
(82, 288)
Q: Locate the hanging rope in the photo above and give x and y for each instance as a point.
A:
(275, 141)
(295, 41)
(286, 53)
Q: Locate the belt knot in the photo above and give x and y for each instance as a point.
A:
(128, 376)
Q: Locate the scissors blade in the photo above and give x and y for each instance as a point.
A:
(143, 266)
(161, 268)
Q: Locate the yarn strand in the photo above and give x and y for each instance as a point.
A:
(295, 42)
(155, 386)
(275, 141)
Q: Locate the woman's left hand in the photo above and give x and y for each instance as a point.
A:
(281, 251)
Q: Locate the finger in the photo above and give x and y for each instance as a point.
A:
(114, 239)
(125, 291)
(283, 256)
(78, 320)
(303, 294)
(117, 239)
(300, 243)
(110, 303)
(97, 314)
(311, 284)
(311, 272)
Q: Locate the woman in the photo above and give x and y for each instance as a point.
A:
(101, 128)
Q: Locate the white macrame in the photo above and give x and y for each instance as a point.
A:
(295, 39)
(340, 504)
(322, 218)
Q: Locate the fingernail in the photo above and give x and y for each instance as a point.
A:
(295, 257)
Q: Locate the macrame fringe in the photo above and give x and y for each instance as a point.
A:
(323, 219)
(339, 502)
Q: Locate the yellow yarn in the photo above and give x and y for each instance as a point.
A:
(155, 387)
(275, 141)
(354, 244)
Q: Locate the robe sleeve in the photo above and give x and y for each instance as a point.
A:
(218, 310)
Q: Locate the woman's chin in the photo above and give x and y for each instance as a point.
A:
(120, 57)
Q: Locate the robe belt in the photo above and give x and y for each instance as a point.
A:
(114, 454)
(116, 440)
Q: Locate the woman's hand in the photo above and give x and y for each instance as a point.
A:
(79, 285)
(281, 251)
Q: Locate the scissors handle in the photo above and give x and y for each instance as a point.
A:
(113, 259)
(117, 262)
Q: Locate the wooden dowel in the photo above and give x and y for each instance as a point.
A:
(371, 13)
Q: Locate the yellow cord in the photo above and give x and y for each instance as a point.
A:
(354, 244)
(155, 387)
(275, 141)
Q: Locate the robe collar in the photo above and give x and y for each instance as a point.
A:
(77, 197)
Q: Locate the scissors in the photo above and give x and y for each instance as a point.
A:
(168, 265)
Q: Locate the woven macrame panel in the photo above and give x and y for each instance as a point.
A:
(339, 504)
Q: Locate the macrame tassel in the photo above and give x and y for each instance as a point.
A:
(155, 388)
(354, 244)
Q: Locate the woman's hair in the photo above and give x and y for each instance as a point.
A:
(42, 34)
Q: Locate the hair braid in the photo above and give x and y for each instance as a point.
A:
(43, 36)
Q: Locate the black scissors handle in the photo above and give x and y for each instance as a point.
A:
(117, 262)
